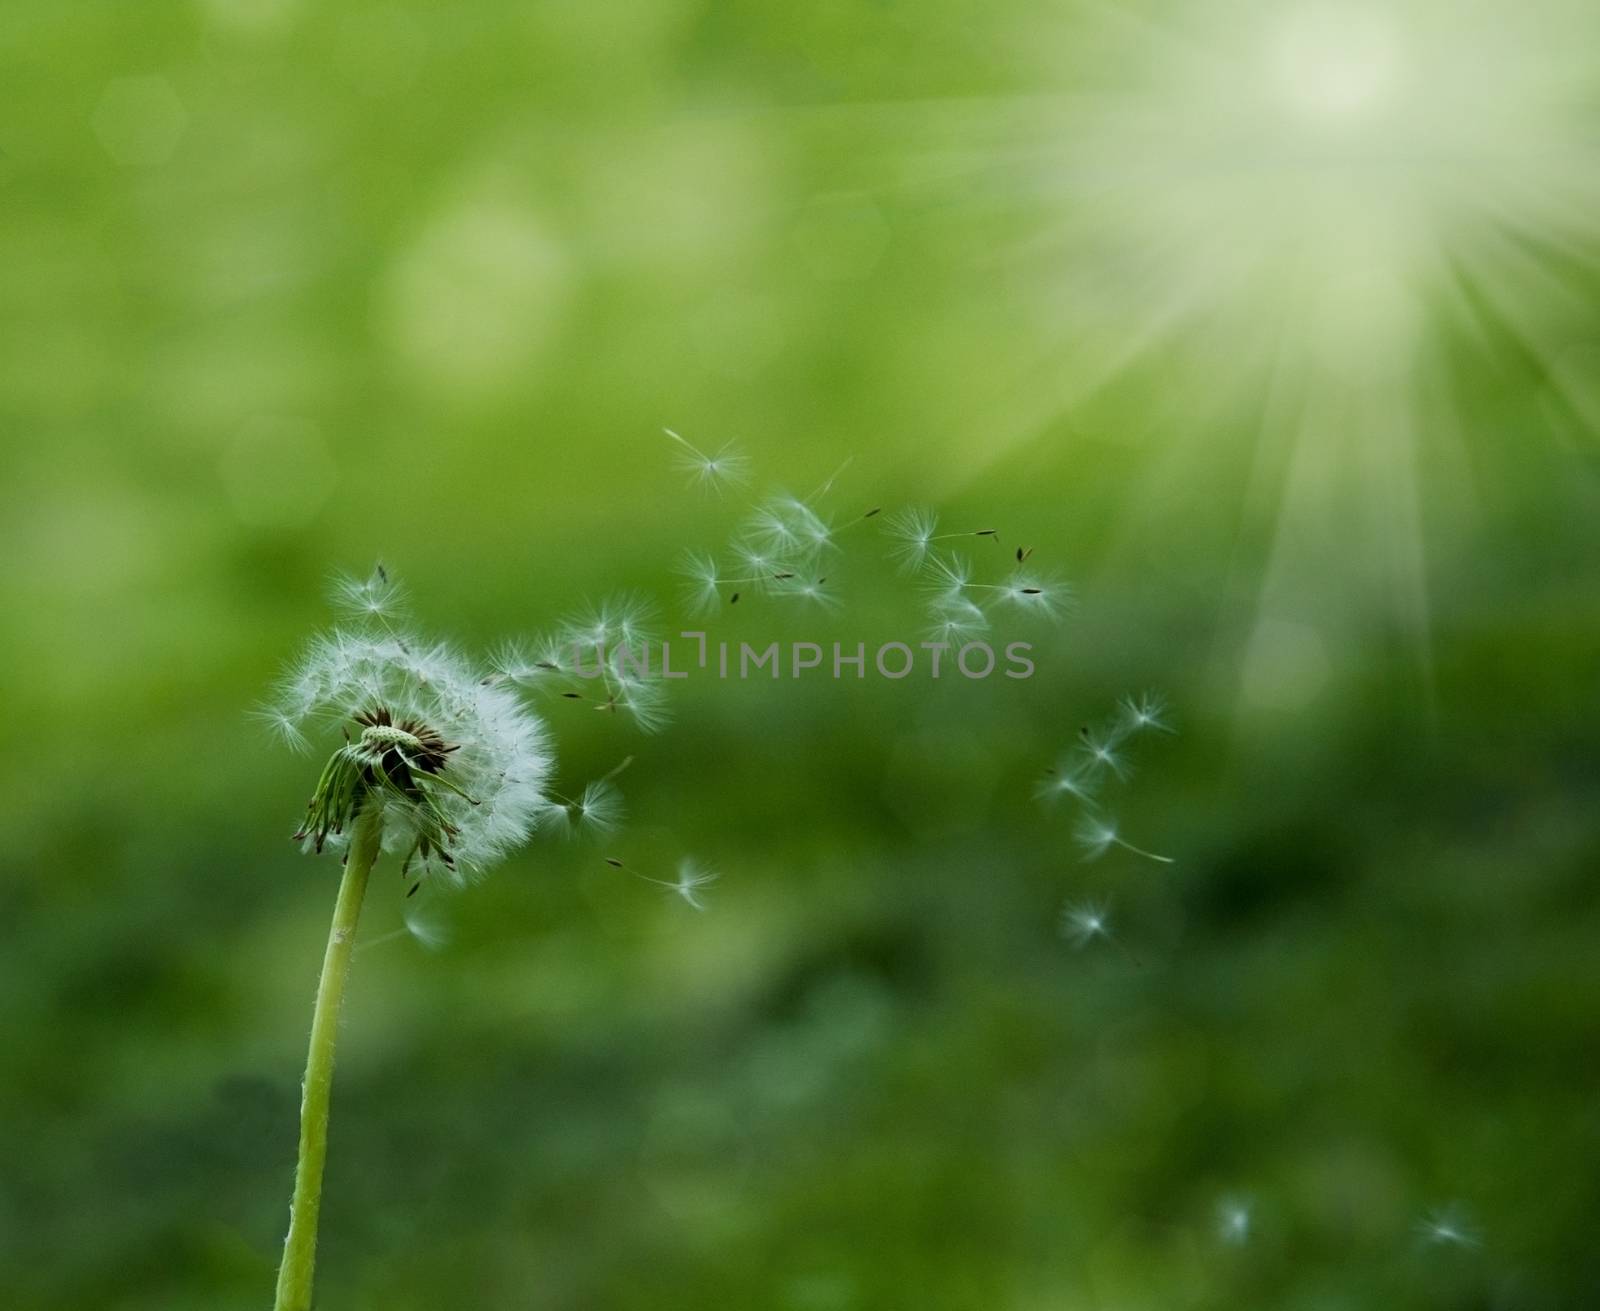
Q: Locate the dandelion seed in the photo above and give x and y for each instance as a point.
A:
(1100, 751)
(1096, 835)
(705, 582)
(691, 878)
(813, 591)
(726, 468)
(1448, 1226)
(1147, 712)
(1025, 592)
(597, 809)
(1070, 779)
(377, 596)
(913, 531)
(1083, 922)
(1233, 1220)
(283, 724)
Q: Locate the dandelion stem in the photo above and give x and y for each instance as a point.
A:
(300, 1248)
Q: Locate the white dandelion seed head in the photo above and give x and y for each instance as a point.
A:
(1084, 921)
(498, 753)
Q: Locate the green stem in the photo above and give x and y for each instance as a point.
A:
(300, 1248)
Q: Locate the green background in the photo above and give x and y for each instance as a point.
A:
(1306, 413)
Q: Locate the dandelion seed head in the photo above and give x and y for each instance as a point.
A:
(456, 759)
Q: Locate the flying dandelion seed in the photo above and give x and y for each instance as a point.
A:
(725, 468)
(1233, 1221)
(1144, 713)
(691, 879)
(1097, 834)
(1070, 779)
(1448, 1226)
(1084, 921)
(1102, 751)
(597, 810)
(377, 596)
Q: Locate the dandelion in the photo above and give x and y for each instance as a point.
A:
(686, 885)
(727, 467)
(1144, 713)
(1448, 1226)
(1097, 834)
(1233, 1221)
(439, 764)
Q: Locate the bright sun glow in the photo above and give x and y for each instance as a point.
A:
(1271, 217)
(1336, 63)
